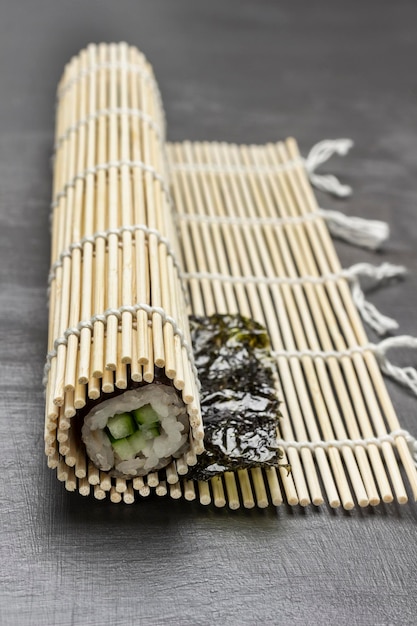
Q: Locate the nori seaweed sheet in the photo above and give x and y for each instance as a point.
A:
(239, 401)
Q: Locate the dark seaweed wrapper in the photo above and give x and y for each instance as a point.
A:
(239, 401)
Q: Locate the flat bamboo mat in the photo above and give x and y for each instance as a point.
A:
(253, 242)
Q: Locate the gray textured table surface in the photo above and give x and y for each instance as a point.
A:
(238, 71)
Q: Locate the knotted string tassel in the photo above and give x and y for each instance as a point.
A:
(319, 154)
(406, 376)
(355, 230)
(358, 231)
(370, 314)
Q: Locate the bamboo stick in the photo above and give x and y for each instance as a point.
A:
(93, 474)
(174, 491)
(126, 210)
(153, 257)
(128, 495)
(113, 214)
(105, 482)
(100, 270)
(71, 481)
(75, 235)
(162, 490)
(84, 488)
(141, 253)
(115, 496)
(51, 412)
(88, 228)
(64, 217)
(189, 490)
(204, 493)
(99, 493)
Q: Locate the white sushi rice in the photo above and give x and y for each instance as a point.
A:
(171, 443)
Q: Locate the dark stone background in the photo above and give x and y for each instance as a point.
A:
(238, 71)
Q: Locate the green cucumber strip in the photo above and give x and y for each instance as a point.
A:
(145, 415)
(123, 448)
(137, 441)
(121, 425)
(109, 435)
(151, 432)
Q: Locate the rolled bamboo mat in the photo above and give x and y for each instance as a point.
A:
(117, 303)
(239, 228)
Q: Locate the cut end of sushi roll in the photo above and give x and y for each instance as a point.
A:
(139, 431)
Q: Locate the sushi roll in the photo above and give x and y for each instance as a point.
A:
(137, 432)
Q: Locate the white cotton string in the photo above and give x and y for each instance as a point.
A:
(264, 280)
(138, 69)
(78, 245)
(106, 113)
(130, 67)
(355, 230)
(378, 274)
(351, 273)
(353, 443)
(406, 376)
(229, 168)
(358, 231)
(370, 314)
(102, 317)
(325, 354)
(237, 220)
(106, 166)
(319, 154)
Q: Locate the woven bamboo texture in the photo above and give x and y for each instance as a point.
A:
(238, 229)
